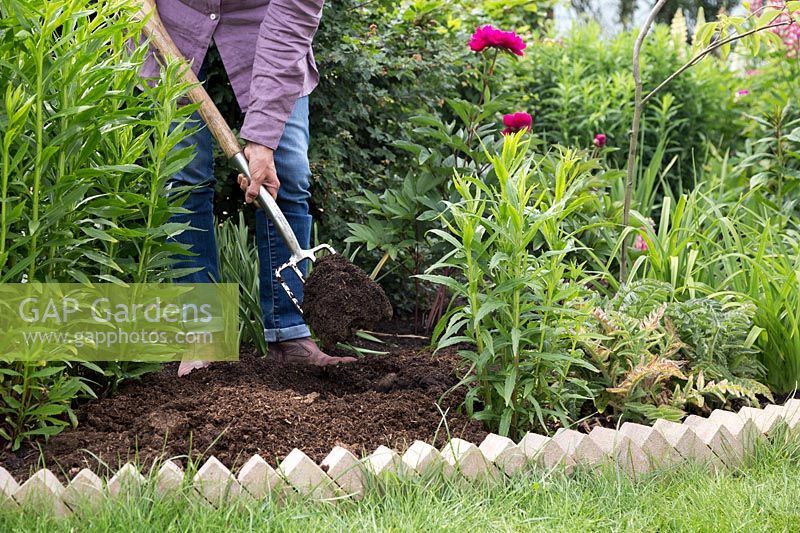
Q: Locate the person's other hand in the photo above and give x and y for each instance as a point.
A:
(262, 171)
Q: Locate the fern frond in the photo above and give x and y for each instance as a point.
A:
(604, 320)
(641, 297)
(656, 370)
(653, 319)
(655, 412)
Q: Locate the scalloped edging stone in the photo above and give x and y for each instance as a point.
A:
(423, 458)
(169, 478)
(468, 460)
(723, 439)
(502, 451)
(686, 442)
(546, 452)
(626, 453)
(307, 477)
(346, 470)
(260, 480)
(84, 492)
(215, 482)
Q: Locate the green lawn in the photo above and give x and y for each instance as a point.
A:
(762, 496)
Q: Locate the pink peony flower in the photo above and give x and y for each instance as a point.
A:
(600, 140)
(490, 37)
(517, 121)
(639, 244)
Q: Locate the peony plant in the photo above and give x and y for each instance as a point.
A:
(400, 218)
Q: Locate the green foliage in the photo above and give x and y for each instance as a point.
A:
(238, 263)
(84, 157)
(719, 338)
(519, 307)
(400, 218)
(575, 87)
(659, 357)
(765, 270)
(581, 84)
(37, 400)
(771, 156)
(636, 359)
(738, 245)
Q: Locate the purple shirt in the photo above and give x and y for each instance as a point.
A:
(265, 46)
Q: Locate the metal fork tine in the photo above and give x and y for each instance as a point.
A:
(298, 272)
(279, 277)
(294, 264)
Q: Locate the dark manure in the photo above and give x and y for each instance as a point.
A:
(340, 299)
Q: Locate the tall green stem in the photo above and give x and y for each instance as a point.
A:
(4, 207)
(37, 165)
(474, 302)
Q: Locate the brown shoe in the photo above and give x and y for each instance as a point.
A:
(187, 367)
(304, 351)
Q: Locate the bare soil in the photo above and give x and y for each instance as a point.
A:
(234, 410)
(339, 299)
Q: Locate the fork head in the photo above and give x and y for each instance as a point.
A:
(293, 264)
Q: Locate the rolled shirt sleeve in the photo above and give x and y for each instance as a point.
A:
(279, 68)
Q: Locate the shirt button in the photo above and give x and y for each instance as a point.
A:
(213, 16)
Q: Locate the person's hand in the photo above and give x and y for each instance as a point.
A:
(262, 172)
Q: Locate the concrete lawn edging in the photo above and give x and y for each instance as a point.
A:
(723, 439)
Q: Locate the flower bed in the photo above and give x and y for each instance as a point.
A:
(235, 410)
(724, 439)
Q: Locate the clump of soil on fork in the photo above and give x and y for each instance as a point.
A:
(340, 298)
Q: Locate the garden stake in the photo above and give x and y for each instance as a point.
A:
(154, 29)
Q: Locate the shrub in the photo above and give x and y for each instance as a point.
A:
(581, 84)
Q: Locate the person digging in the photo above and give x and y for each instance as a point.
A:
(265, 47)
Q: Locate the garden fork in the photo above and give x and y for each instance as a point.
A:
(159, 37)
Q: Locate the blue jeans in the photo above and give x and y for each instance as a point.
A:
(282, 321)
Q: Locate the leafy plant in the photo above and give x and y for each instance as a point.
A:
(238, 263)
(519, 306)
(771, 158)
(659, 357)
(37, 400)
(400, 217)
(764, 268)
(85, 152)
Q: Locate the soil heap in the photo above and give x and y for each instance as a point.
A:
(340, 298)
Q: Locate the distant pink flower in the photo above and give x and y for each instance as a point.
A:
(639, 244)
(600, 140)
(752, 72)
(516, 122)
(490, 37)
